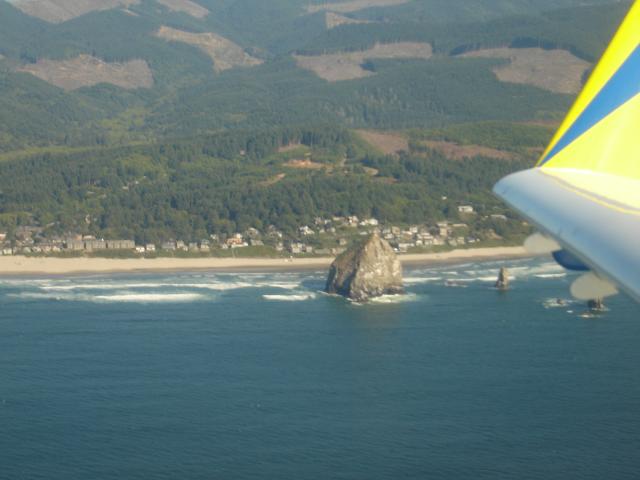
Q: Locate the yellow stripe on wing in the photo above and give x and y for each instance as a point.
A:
(612, 146)
(622, 46)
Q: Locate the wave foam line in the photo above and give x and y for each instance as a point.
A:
(218, 286)
(300, 297)
(150, 298)
(390, 299)
(417, 280)
(117, 298)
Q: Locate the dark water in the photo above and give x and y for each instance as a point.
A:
(211, 376)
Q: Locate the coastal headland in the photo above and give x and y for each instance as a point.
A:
(22, 265)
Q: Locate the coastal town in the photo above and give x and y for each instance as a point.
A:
(323, 237)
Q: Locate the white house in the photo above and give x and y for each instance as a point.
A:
(465, 209)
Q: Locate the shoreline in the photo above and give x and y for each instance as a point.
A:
(32, 266)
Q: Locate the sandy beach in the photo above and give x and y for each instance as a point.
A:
(19, 265)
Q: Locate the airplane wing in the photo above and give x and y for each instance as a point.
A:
(585, 191)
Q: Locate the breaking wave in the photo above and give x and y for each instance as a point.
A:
(550, 275)
(115, 298)
(390, 299)
(418, 280)
(150, 298)
(557, 302)
(298, 297)
(215, 286)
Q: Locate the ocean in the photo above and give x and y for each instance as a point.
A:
(260, 376)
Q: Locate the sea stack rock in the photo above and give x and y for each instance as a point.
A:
(503, 279)
(596, 305)
(367, 270)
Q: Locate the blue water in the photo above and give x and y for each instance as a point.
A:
(259, 376)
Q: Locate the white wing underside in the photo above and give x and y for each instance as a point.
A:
(602, 234)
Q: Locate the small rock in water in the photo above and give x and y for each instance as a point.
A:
(369, 269)
(503, 279)
(596, 305)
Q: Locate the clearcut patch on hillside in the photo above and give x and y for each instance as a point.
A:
(224, 53)
(456, 151)
(306, 164)
(335, 67)
(333, 20)
(273, 180)
(85, 71)
(186, 6)
(58, 11)
(388, 143)
(557, 71)
(353, 5)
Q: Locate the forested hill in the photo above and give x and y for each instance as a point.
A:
(283, 177)
(181, 119)
(114, 72)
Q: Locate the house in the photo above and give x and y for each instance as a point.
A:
(443, 229)
(235, 241)
(306, 231)
(252, 232)
(296, 248)
(120, 244)
(91, 245)
(170, 246)
(150, 247)
(193, 246)
(3, 236)
(404, 247)
(256, 243)
(465, 209)
(140, 249)
(273, 232)
(7, 251)
(180, 245)
(369, 222)
(74, 245)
